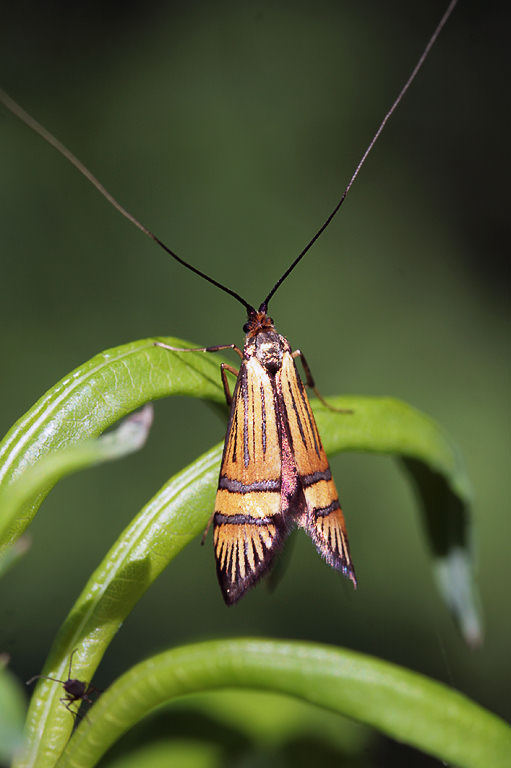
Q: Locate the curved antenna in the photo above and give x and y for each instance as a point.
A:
(20, 113)
(383, 123)
(71, 663)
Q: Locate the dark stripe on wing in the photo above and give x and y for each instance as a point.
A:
(325, 511)
(234, 431)
(310, 419)
(236, 486)
(244, 391)
(295, 409)
(315, 477)
(242, 520)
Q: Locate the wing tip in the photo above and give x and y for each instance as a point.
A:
(341, 563)
(349, 572)
(231, 595)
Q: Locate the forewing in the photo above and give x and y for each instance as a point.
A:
(248, 524)
(323, 518)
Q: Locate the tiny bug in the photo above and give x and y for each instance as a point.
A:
(76, 690)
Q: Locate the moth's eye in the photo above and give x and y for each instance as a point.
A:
(246, 328)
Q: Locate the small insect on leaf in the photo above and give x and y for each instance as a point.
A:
(75, 690)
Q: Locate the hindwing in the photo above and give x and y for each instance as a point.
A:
(322, 516)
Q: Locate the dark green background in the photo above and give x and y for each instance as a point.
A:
(230, 130)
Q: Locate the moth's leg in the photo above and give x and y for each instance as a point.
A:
(310, 383)
(217, 348)
(223, 368)
(204, 535)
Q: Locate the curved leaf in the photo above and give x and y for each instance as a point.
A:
(95, 396)
(400, 703)
(29, 487)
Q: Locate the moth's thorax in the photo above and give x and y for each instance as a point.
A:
(264, 343)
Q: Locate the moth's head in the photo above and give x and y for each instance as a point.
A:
(258, 321)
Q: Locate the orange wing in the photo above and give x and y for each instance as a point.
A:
(322, 517)
(249, 527)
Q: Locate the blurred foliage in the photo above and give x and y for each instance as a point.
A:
(230, 129)
(12, 713)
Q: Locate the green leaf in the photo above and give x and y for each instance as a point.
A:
(31, 485)
(401, 704)
(91, 399)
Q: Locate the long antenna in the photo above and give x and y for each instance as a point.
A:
(383, 123)
(20, 113)
(15, 108)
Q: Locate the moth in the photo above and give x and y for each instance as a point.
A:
(75, 690)
(274, 473)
